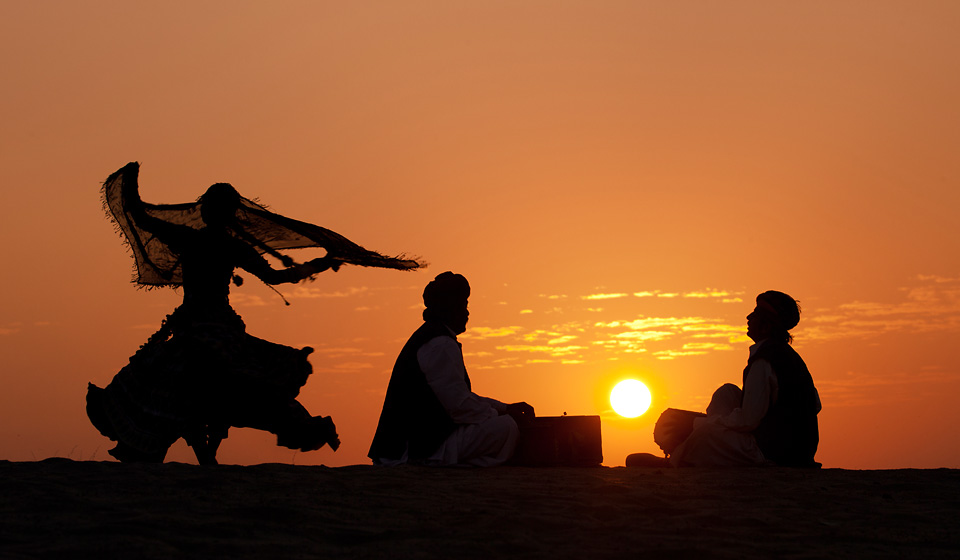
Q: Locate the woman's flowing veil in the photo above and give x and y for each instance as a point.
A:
(159, 265)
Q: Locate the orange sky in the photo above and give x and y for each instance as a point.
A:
(617, 180)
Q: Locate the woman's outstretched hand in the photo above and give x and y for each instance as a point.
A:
(323, 263)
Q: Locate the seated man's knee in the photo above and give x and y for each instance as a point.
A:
(506, 430)
(726, 398)
(489, 443)
(507, 427)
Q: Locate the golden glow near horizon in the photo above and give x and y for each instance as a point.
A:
(630, 398)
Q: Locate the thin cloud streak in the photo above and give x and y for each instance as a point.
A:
(604, 296)
(307, 292)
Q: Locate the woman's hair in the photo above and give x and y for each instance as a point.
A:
(219, 204)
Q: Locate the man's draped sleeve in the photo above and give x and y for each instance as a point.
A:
(759, 391)
(441, 361)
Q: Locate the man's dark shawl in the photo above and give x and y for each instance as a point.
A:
(158, 265)
(413, 419)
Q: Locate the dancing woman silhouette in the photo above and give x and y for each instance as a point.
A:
(201, 373)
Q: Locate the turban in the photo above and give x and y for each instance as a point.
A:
(446, 290)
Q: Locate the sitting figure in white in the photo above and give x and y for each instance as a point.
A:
(430, 414)
(771, 421)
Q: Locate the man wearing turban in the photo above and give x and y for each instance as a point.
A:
(430, 414)
(773, 419)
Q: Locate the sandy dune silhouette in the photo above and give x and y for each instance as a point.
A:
(61, 508)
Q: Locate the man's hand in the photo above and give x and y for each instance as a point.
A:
(521, 411)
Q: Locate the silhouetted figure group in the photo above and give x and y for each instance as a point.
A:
(201, 373)
(771, 420)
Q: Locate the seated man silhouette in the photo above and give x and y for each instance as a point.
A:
(772, 420)
(430, 414)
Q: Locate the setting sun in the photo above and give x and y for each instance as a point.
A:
(630, 398)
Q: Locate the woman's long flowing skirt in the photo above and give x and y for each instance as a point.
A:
(197, 377)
